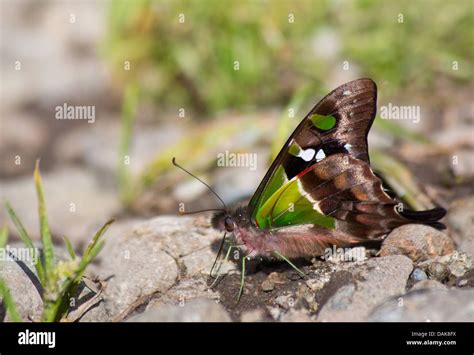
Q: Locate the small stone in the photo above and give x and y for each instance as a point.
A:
(438, 271)
(418, 242)
(277, 278)
(418, 275)
(459, 263)
(318, 284)
(268, 286)
(285, 301)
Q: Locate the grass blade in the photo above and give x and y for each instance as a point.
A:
(46, 239)
(8, 302)
(69, 247)
(3, 236)
(129, 108)
(96, 238)
(59, 308)
(70, 285)
(27, 240)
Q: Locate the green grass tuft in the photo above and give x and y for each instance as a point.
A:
(59, 280)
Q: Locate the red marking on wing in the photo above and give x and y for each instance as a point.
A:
(306, 170)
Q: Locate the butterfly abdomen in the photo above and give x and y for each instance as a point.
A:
(293, 242)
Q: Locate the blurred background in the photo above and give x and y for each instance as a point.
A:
(193, 79)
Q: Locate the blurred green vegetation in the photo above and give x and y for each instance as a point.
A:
(282, 46)
(214, 55)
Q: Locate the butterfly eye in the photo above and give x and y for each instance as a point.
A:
(229, 224)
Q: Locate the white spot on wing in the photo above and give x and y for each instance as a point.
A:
(320, 155)
(346, 93)
(307, 154)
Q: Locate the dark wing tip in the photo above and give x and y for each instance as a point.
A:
(428, 217)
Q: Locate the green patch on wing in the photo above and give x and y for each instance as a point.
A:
(294, 149)
(277, 180)
(324, 123)
(286, 206)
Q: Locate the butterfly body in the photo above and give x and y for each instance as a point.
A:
(320, 191)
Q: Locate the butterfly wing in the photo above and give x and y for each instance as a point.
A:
(339, 123)
(322, 176)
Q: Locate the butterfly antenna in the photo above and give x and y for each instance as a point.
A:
(205, 210)
(210, 188)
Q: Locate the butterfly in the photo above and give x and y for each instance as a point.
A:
(320, 191)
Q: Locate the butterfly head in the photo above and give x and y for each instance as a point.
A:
(229, 221)
(229, 224)
(223, 221)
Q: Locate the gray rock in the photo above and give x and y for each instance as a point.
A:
(25, 288)
(340, 301)
(267, 286)
(461, 219)
(431, 305)
(418, 242)
(148, 259)
(186, 290)
(373, 282)
(199, 310)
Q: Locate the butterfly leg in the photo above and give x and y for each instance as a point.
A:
(281, 256)
(226, 259)
(221, 246)
(242, 280)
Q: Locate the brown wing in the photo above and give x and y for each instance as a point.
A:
(353, 105)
